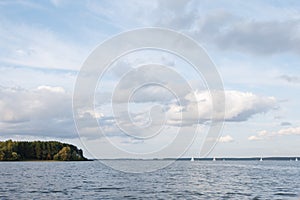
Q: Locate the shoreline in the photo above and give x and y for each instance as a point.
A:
(167, 159)
(46, 160)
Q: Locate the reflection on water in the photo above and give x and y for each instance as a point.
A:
(182, 179)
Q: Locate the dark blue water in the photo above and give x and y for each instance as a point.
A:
(181, 180)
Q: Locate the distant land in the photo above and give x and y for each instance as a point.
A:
(243, 159)
(216, 159)
(39, 150)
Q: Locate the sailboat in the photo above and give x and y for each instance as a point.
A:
(192, 159)
(296, 159)
(261, 159)
(214, 159)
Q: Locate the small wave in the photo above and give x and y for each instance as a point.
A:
(238, 193)
(108, 188)
(129, 197)
(285, 194)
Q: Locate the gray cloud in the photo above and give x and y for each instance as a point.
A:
(285, 124)
(175, 14)
(290, 79)
(151, 92)
(44, 111)
(221, 28)
(229, 31)
(261, 37)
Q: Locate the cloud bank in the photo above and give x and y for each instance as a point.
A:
(46, 110)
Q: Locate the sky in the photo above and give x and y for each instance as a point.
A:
(254, 45)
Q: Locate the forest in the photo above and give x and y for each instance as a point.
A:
(39, 150)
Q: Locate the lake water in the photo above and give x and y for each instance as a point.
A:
(181, 180)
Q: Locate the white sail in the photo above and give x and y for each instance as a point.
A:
(261, 159)
(192, 159)
(296, 159)
(214, 159)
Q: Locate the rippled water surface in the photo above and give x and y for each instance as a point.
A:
(181, 180)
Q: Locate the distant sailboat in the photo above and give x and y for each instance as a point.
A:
(261, 159)
(214, 159)
(192, 159)
(296, 159)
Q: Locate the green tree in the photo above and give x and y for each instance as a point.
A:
(38, 150)
(64, 154)
(2, 155)
(14, 156)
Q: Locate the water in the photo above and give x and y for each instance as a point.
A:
(181, 180)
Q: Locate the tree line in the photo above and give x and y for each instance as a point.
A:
(39, 150)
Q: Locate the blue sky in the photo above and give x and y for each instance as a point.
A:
(254, 45)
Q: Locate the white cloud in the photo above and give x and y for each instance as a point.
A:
(254, 137)
(289, 131)
(225, 139)
(51, 89)
(41, 111)
(264, 135)
(260, 135)
(91, 113)
(239, 106)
